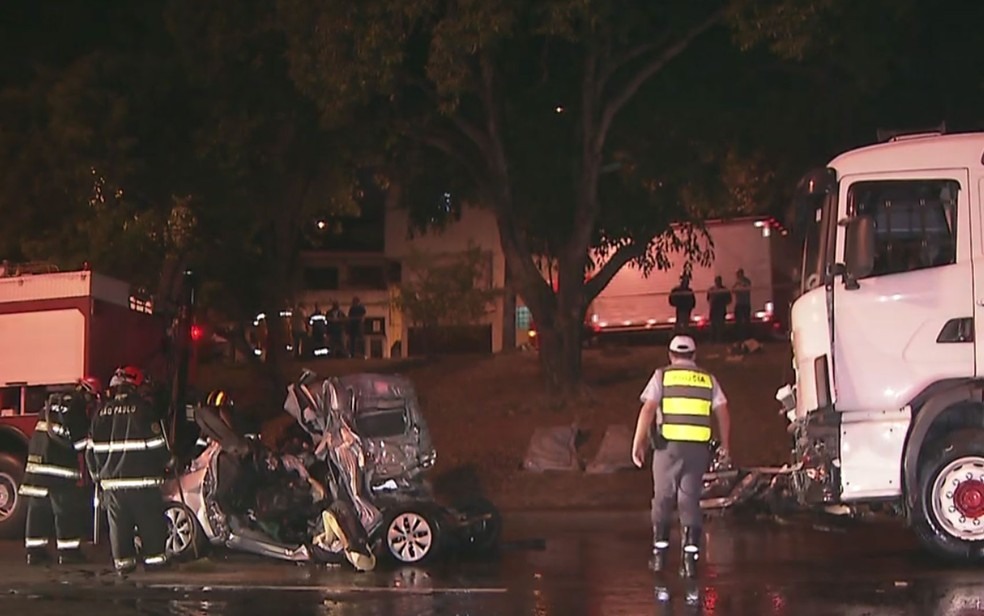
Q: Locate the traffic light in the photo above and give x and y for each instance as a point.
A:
(197, 333)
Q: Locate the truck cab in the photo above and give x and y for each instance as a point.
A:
(887, 406)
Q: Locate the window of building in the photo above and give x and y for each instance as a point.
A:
(366, 277)
(321, 278)
(524, 318)
(915, 222)
(394, 272)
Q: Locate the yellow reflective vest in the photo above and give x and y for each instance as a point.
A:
(686, 404)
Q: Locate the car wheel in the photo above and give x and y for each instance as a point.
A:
(185, 537)
(949, 513)
(413, 535)
(13, 509)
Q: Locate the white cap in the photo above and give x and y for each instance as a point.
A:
(683, 344)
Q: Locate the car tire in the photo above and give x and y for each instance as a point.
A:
(13, 508)
(948, 516)
(185, 537)
(412, 534)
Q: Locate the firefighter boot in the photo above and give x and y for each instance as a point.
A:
(691, 551)
(71, 557)
(38, 556)
(661, 542)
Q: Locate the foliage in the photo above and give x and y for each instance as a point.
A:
(516, 106)
(446, 289)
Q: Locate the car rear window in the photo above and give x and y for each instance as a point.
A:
(381, 424)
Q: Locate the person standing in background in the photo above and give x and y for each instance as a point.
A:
(718, 298)
(356, 329)
(682, 298)
(743, 304)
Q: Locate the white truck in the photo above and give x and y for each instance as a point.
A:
(54, 329)
(888, 402)
(760, 245)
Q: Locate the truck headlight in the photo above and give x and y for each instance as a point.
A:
(786, 395)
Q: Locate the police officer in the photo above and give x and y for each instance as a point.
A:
(52, 476)
(127, 455)
(680, 397)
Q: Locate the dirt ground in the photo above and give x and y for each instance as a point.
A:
(482, 412)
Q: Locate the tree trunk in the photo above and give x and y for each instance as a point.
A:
(560, 355)
(508, 312)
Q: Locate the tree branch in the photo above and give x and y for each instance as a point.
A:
(444, 143)
(646, 72)
(629, 56)
(469, 130)
(617, 261)
(494, 121)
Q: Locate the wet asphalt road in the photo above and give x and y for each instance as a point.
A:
(591, 564)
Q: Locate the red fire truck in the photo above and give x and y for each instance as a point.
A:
(55, 328)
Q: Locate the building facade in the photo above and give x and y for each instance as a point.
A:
(375, 278)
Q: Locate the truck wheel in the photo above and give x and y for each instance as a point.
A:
(13, 509)
(949, 513)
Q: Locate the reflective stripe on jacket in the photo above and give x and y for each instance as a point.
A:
(686, 404)
(53, 451)
(127, 448)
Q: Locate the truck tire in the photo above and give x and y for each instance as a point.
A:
(13, 508)
(949, 513)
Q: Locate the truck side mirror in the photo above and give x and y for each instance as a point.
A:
(859, 249)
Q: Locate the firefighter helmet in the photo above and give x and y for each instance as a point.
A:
(130, 375)
(91, 385)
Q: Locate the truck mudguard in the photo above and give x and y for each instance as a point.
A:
(927, 407)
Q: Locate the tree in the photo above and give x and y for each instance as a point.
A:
(521, 99)
(83, 160)
(275, 170)
(446, 289)
(550, 114)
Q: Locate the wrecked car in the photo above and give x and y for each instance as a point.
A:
(353, 491)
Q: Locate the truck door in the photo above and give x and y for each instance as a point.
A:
(977, 250)
(898, 329)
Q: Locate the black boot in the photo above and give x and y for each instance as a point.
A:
(661, 542)
(71, 557)
(38, 556)
(690, 542)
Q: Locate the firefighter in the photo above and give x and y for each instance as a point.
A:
(681, 398)
(127, 456)
(52, 475)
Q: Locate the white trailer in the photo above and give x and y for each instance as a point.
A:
(760, 245)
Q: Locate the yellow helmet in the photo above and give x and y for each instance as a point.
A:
(219, 398)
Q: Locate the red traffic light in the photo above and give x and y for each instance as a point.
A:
(197, 333)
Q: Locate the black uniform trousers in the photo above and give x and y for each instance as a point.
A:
(141, 509)
(62, 512)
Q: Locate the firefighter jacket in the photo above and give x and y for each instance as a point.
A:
(58, 440)
(127, 448)
(686, 404)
